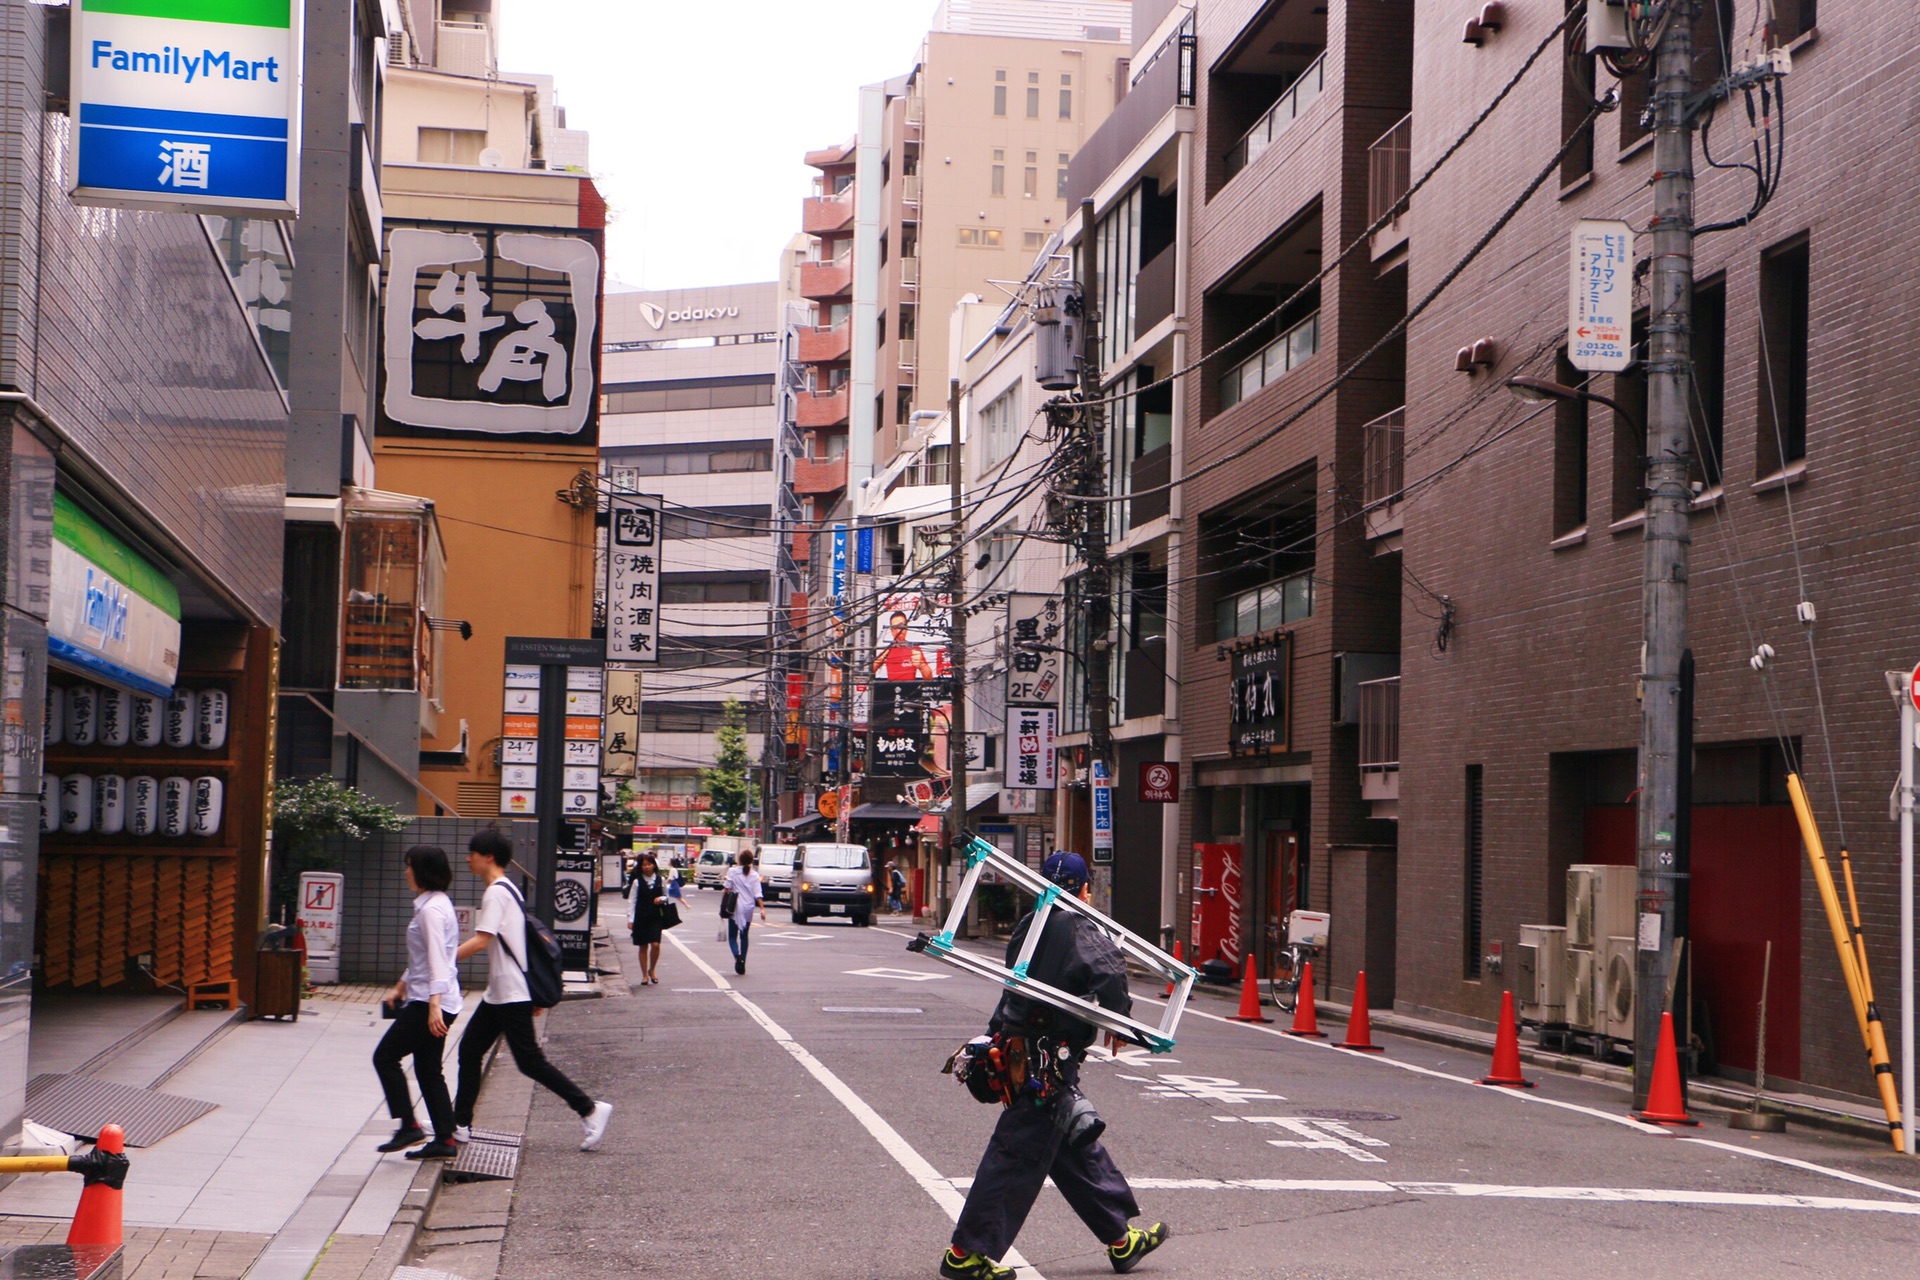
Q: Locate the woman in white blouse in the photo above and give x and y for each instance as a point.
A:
(423, 1004)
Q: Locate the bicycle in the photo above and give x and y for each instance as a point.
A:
(1283, 983)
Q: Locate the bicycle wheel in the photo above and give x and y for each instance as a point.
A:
(1283, 986)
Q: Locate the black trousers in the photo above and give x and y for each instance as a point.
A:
(1026, 1149)
(514, 1021)
(409, 1037)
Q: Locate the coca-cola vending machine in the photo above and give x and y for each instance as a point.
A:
(1217, 896)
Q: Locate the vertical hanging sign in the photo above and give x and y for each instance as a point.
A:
(188, 106)
(1600, 297)
(633, 578)
(1102, 813)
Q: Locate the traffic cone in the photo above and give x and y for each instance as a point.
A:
(97, 1220)
(1305, 1021)
(1359, 1023)
(1176, 956)
(1250, 999)
(1666, 1104)
(1506, 1050)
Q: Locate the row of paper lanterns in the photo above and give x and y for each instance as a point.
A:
(109, 804)
(85, 715)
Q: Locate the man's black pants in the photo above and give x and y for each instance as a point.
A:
(409, 1037)
(1026, 1149)
(515, 1022)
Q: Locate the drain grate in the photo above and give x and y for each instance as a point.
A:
(80, 1105)
(489, 1155)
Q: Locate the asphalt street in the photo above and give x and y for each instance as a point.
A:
(794, 1122)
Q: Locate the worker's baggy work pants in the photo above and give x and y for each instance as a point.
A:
(1026, 1149)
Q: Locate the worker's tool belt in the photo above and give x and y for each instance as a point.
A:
(1006, 1069)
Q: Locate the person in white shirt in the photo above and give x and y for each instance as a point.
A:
(743, 882)
(425, 1002)
(507, 1009)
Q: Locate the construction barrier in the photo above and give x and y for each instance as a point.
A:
(97, 1221)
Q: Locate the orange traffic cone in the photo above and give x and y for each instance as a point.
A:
(97, 1220)
(1250, 998)
(1176, 956)
(1666, 1104)
(1305, 1021)
(1506, 1050)
(1359, 1023)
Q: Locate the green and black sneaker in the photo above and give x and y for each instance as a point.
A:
(955, 1265)
(1126, 1255)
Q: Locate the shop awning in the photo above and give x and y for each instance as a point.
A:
(885, 811)
(111, 616)
(801, 823)
(978, 793)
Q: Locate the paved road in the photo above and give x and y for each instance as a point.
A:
(793, 1122)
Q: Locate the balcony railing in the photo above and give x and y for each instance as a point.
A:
(822, 343)
(815, 476)
(1389, 174)
(823, 215)
(822, 408)
(910, 272)
(1268, 364)
(910, 188)
(1385, 477)
(1279, 118)
(1153, 291)
(909, 354)
(829, 279)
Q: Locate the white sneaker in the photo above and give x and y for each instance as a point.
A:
(595, 1125)
(462, 1133)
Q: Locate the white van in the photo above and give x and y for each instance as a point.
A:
(776, 870)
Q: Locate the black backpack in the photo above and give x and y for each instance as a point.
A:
(542, 951)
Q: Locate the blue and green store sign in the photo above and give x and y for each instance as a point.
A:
(112, 616)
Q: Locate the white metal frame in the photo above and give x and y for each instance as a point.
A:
(983, 857)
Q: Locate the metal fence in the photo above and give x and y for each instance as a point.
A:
(1389, 168)
(1385, 468)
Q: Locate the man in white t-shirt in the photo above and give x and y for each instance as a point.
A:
(507, 1009)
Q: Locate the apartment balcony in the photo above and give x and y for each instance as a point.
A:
(1153, 291)
(1280, 117)
(821, 281)
(802, 548)
(818, 476)
(910, 189)
(1380, 747)
(1389, 174)
(910, 273)
(1166, 82)
(822, 409)
(827, 215)
(909, 354)
(825, 344)
(1384, 474)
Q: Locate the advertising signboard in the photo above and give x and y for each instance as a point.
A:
(634, 538)
(910, 637)
(1032, 759)
(620, 739)
(322, 907)
(188, 106)
(1033, 649)
(1260, 697)
(1159, 782)
(1216, 904)
(1102, 813)
(1600, 297)
(573, 897)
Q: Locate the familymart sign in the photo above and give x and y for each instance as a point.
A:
(187, 105)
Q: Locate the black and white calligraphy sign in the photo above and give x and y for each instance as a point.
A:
(633, 578)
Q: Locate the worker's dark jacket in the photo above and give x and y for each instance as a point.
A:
(1074, 956)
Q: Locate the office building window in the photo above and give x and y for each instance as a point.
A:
(452, 146)
(1000, 93)
(1033, 241)
(1030, 178)
(1033, 95)
(1708, 401)
(1066, 97)
(981, 237)
(1060, 178)
(999, 172)
(1472, 888)
(1630, 428)
(1784, 289)
(1570, 461)
(1576, 100)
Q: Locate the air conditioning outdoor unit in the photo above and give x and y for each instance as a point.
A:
(1599, 904)
(1541, 977)
(1583, 1011)
(1617, 1001)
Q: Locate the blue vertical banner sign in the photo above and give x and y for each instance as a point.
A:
(840, 570)
(189, 106)
(1102, 813)
(863, 555)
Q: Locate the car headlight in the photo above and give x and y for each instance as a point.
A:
(805, 885)
(870, 889)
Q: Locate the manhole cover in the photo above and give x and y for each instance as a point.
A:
(1354, 1117)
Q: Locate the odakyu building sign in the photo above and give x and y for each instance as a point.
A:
(187, 105)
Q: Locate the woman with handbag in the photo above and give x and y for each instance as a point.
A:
(423, 1004)
(738, 898)
(650, 912)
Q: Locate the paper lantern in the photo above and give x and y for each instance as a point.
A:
(116, 724)
(149, 721)
(76, 803)
(143, 805)
(210, 725)
(109, 804)
(208, 795)
(83, 714)
(175, 799)
(179, 717)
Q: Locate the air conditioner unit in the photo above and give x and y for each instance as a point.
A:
(399, 49)
(1541, 977)
(1617, 982)
(1599, 904)
(1583, 1011)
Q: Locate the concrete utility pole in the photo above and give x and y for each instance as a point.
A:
(1093, 543)
(1669, 508)
(957, 642)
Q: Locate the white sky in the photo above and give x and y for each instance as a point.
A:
(700, 112)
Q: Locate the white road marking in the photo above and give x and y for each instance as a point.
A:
(942, 1190)
(798, 936)
(1130, 1057)
(1498, 1191)
(898, 975)
(1316, 1135)
(1204, 1089)
(1758, 1154)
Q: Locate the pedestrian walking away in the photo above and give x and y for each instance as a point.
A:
(507, 1008)
(739, 898)
(650, 912)
(423, 1004)
(1030, 1063)
(896, 889)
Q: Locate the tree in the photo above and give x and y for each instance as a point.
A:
(728, 785)
(307, 813)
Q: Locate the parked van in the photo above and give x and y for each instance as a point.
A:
(776, 870)
(833, 879)
(731, 846)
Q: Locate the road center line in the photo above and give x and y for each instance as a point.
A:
(942, 1190)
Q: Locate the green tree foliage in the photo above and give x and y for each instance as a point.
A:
(728, 783)
(306, 814)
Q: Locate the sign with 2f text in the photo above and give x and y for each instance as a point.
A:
(1600, 297)
(190, 106)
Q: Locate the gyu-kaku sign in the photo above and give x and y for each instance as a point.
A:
(1600, 297)
(187, 105)
(634, 541)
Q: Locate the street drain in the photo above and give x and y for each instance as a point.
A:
(1353, 1117)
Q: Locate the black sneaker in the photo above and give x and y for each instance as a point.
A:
(407, 1135)
(972, 1266)
(446, 1151)
(739, 966)
(1126, 1255)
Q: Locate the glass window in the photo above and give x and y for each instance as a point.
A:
(380, 602)
(999, 172)
(1247, 614)
(1000, 93)
(254, 251)
(1033, 104)
(1299, 591)
(1030, 179)
(1066, 104)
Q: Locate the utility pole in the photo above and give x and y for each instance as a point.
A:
(1093, 539)
(957, 641)
(1667, 540)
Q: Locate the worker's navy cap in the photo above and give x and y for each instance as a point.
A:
(1068, 870)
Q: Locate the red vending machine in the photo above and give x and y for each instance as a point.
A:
(1217, 904)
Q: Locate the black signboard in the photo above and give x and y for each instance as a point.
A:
(542, 651)
(1261, 697)
(573, 865)
(899, 720)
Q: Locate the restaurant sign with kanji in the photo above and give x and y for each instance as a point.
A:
(633, 578)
